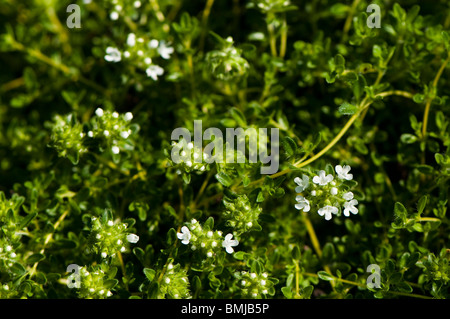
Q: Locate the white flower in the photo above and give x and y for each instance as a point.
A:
(327, 211)
(322, 179)
(115, 149)
(343, 172)
(303, 204)
(112, 55)
(137, 4)
(229, 243)
(164, 50)
(114, 15)
(99, 112)
(334, 191)
(104, 255)
(153, 44)
(154, 71)
(133, 238)
(185, 235)
(131, 40)
(302, 183)
(148, 61)
(349, 207)
(348, 196)
(124, 134)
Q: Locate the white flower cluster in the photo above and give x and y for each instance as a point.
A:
(92, 285)
(114, 127)
(108, 239)
(206, 240)
(272, 5)
(253, 285)
(326, 193)
(7, 254)
(188, 159)
(140, 51)
(174, 283)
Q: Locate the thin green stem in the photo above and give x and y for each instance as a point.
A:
(205, 16)
(272, 37)
(48, 238)
(283, 42)
(428, 105)
(354, 283)
(348, 21)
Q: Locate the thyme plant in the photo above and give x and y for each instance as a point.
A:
(93, 204)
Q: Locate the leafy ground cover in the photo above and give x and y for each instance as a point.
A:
(93, 204)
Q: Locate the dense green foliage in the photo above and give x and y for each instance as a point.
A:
(87, 178)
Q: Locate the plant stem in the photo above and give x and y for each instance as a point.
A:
(272, 38)
(48, 239)
(297, 277)
(364, 286)
(315, 242)
(348, 21)
(429, 100)
(122, 265)
(59, 66)
(205, 16)
(283, 43)
(312, 235)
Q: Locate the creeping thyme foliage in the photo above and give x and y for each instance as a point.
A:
(98, 199)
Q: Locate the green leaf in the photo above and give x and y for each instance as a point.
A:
(224, 179)
(422, 203)
(171, 236)
(27, 220)
(239, 117)
(358, 87)
(289, 146)
(307, 292)
(35, 258)
(425, 169)
(209, 223)
(347, 109)
(239, 255)
(18, 269)
(260, 197)
(149, 273)
(110, 283)
(139, 253)
(324, 275)
(408, 138)
(328, 253)
(287, 292)
(400, 211)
